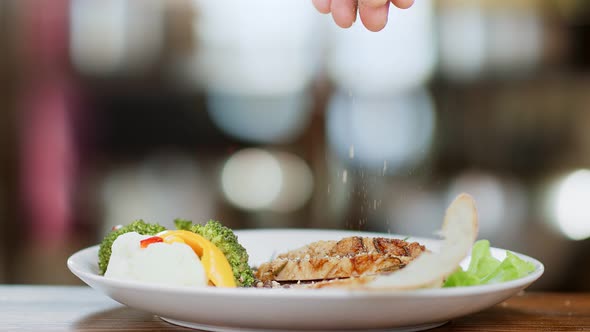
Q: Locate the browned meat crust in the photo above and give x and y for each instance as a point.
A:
(349, 257)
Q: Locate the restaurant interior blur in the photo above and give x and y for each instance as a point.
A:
(265, 114)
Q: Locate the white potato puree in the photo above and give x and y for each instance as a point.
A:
(162, 263)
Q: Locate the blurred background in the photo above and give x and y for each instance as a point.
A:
(265, 114)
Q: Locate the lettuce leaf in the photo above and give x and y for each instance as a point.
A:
(485, 269)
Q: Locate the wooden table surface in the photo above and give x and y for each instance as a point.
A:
(44, 308)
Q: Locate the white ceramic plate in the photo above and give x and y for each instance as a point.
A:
(255, 309)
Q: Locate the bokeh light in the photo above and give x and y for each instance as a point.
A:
(570, 202)
(501, 203)
(159, 189)
(256, 179)
(262, 119)
(514, 40)
(503, 40)
(416, 212)
(386, 132)
(251, 179)
(253, 48)
(297, 183)
(466, 60)
(400, 57)
(115, 36)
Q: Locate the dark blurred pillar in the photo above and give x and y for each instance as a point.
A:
(8, 186)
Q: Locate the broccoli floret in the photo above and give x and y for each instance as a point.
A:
(224, 239)
(182, 224)
(139, 226)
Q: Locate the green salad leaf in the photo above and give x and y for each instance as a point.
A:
(485, 269)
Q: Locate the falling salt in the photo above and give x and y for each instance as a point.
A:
(351, 152)
(384, 166)
(344, 176)
(375, 204)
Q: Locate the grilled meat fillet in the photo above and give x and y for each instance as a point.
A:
(350, 257)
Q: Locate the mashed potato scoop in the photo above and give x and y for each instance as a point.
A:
(162, 263)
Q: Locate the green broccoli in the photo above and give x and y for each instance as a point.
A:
(182, 224)
(225, 239)
(139, 226)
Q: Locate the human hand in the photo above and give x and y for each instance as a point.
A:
(373, 12)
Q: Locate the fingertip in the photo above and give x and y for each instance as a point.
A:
(322, 6)
(403, 4)
(375, 27)
(343, 12)
(374, 19)
(344, 23)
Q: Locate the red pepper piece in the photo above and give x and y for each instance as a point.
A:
(150, 240)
